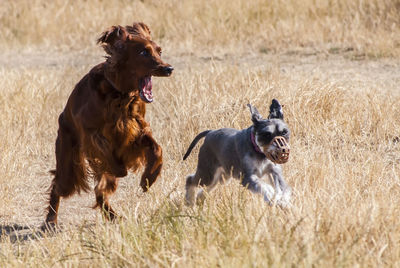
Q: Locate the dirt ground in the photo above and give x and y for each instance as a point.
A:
(343, 67)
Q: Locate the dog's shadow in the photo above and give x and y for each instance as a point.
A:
(19, 233)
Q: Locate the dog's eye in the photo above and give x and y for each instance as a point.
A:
(266, 135)
(284, 132)
(144, 53)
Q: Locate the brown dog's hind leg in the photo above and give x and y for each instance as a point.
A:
(153, 154)
(54, 202)
(107, 185)
(70, 174)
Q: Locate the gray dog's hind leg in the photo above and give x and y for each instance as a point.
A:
(205, 175)
(191, 189)
(208, 188)
(254, 184)
(206, 179)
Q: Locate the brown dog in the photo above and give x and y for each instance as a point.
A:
(103, 127)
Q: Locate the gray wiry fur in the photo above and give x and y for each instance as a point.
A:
(230, 153)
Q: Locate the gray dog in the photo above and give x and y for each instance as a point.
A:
(251, 154)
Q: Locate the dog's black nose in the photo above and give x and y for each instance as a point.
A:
(168, 70)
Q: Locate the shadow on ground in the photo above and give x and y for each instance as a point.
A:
(16, 233)
(19, 233)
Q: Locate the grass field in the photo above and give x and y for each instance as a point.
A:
(335, 65)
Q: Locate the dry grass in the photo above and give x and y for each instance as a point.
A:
(343, 114)
(367, 27)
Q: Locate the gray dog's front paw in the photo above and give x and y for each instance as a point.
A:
(268, 192)
(284, 200)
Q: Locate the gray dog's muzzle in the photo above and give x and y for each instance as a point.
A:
(278, 150)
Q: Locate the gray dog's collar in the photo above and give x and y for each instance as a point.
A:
(253, 141)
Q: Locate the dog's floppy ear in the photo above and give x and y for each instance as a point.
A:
(275, 110)
(255, 115)
(113, 39)
(144, 30)
(112, 35)
(139, 29)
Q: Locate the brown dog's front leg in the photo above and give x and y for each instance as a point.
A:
(153, 155)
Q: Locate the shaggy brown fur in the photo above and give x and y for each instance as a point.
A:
(103, 122)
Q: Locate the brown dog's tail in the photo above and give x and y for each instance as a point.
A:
(194, 142)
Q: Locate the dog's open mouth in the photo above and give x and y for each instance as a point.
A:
(146, 89)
